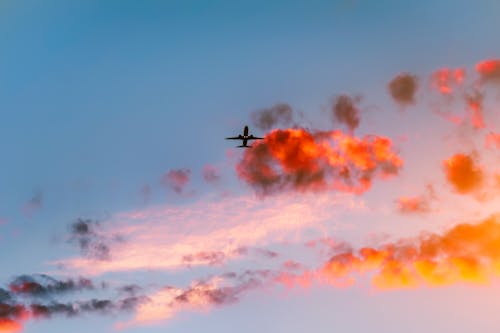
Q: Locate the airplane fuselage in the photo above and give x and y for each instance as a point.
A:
(245, 137)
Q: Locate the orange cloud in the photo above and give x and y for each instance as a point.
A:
(463, 173)
(466, 253)
(489, 70)
(445, 80)
(300, 160)
(9, 326)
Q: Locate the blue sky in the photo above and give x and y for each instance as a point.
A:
(101, 98)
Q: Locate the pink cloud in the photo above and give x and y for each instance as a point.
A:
(493, 140)
(177, 179)
(210, 173)
(162, 237)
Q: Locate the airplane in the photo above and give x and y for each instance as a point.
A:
(245, 137)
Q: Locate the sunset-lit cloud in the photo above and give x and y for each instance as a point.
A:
(303, 161)
(463, 173)
(209, 231)
(489, 70)
(176, 179)
(418, 204)
(45, 286)
(9, 326)
(210, 173)
(464, 253)
(446, 80)
(474, 102)
(199, 296)
(493, 140)
(40, 297)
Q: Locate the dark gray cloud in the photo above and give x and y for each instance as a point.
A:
(97, 306)
(345, 111)
(4, 295)
(86, 234)
(403, 88)
(278, 114)
(45, 286)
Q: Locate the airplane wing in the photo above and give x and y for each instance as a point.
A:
(254, 138)
(233, 138)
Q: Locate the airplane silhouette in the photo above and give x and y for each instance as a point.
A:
(245, 137)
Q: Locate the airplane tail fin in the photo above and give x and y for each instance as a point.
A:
(244, 146)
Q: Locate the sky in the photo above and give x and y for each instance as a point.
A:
(372, 203)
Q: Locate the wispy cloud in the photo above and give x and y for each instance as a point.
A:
(208, 231)
(176, 179)
(447, 80)
(279, 114)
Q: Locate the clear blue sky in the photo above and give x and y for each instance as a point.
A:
(100, 98)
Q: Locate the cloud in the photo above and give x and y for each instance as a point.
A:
(34, 204)
(45, 286)
(199, 296)
(463, 173)
(4, 295)
(345, 111)
(205, 257)
(474, 102)
(163, 237)
(493, 140)
(300, 160)
(210, 173)
(403, 88)
(146, 193)
(177, 179)
(418, 204)
(489, 70)
(445, 80)
(36, 297)
(11, 316)
(464, 253)
(87, 235)
(278, 114)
